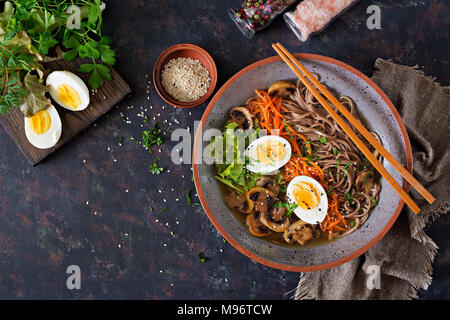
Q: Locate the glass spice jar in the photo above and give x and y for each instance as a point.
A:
(255, 15)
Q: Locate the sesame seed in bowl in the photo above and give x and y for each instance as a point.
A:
(185, 79)
(185, 75)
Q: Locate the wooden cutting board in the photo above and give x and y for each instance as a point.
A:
(72, 122)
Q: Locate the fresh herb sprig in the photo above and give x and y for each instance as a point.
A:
(155, 168)
(152, 137)
(290, 207)
(31, 29)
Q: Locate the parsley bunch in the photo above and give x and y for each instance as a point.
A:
(35, 27)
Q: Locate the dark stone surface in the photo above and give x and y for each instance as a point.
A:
(66, 211)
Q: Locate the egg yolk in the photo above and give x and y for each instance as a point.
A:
(40, 122)
(306, 195)
(68, 96)
(270, 152)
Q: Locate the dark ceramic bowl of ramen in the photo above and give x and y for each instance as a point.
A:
(371, 103)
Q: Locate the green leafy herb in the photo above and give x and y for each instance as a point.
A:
(344, 168)
(336, 151)
(290, 207)
(154, 168)
(374, 201)
(189, 200)
(323, 140)
(163, 210)
(349, 197)
(203, 257)
(365, 163)
(151, 137)
(287, 129)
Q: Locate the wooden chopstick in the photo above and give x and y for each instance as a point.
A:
(346, 128)
(364, 132)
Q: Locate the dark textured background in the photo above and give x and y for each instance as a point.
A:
(74, 208)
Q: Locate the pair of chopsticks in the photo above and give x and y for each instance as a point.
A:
(296, 67)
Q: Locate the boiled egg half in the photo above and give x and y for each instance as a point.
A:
(310, 197)
(267, 154)
(43, 130)
(68, 90)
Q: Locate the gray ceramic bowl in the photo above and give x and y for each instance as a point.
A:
(373, 105)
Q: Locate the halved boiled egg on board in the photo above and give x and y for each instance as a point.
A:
(43, 130)
(68, 90)
(267, 154)
(310, 197)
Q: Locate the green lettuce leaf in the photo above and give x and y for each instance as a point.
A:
(7, 13)
(35, 99)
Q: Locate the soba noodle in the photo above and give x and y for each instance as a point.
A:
(340, 160)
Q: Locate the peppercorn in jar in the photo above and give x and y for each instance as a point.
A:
(255, 15)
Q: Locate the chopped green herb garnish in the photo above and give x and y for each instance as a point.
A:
(374, 201)
(154, 168)
(189, 200)
(336, 151)
(346, 167)
(288, 206)
(151, 209)
(151, 137)
(349, 197)
(120, 141)
(287, 129)
(202, 257)
(163, 210)
(323, 140)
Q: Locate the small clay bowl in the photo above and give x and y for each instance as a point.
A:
(184, 50)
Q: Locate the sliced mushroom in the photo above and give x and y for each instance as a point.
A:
(276, 219)
(268, 183)
(242, 117)
(239, 202)
(262, 198)
(282, 89)
(255, 226)
(301, 232)
(365, 181)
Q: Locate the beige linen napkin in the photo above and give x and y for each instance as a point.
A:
(405, 255)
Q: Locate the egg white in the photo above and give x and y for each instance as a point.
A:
(314, 215)
(51, 137)
(263, 168)
(57, 78)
